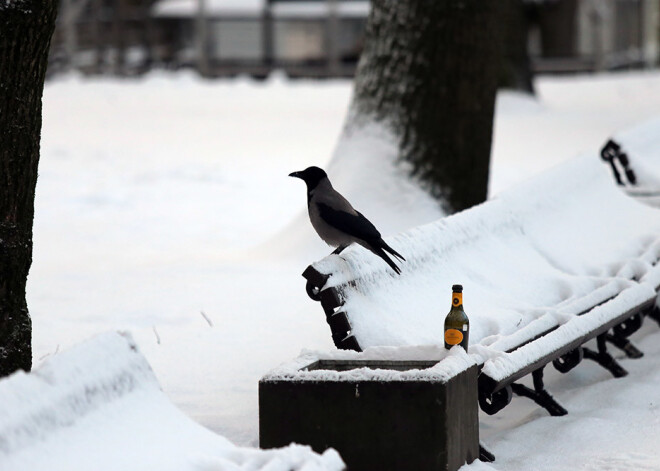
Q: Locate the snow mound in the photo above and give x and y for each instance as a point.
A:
(99, 406)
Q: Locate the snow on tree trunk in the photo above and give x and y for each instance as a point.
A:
(429, 73)
(26, 27)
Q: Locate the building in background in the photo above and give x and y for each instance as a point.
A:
(104, 36)
(320, 38)
(311, 37)
(588, 35)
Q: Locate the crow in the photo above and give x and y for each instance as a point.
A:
(337, 222)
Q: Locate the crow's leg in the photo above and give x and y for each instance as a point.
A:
(339, 249)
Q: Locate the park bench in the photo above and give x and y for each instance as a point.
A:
(558, 261)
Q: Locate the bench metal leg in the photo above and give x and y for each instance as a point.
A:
(313, 291)
(339, 249)
(485, 455)
(621, 332)
(604, 359)
(492, 403)
(625, 345)
(540, 395)
(629, 326)
(654, 313)
(315, 282)
(568, 361)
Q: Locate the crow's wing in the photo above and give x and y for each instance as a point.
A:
(355, 225)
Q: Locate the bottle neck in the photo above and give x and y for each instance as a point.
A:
(456, 300)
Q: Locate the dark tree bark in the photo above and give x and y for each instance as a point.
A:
(516, 72)
(26, 27)
(558, 31)
(430, 71)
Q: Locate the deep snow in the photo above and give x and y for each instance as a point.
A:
(98, 406)
(164, 202)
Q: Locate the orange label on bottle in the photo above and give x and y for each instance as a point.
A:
(457, 299)
(453, 336)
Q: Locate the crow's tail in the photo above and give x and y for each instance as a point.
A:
(381, 253)
(389, 249)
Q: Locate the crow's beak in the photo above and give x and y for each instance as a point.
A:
(295, 174)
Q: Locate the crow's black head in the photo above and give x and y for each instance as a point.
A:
(311, 175)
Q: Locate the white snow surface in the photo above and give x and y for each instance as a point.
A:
(163, 208)
(99, 406)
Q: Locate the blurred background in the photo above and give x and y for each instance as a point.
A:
(324, 38)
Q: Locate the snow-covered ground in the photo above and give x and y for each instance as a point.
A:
(164, 208)
(98, 406)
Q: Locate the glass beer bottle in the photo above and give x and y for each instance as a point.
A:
(457, 324)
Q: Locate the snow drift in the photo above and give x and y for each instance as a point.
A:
(98, 406)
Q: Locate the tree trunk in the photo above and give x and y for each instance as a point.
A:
(26, 27)
(516, 72)
(429, 71)
(558, 31)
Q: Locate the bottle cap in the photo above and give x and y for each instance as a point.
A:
(457, 288)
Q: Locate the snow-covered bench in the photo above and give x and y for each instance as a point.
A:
(549, 265)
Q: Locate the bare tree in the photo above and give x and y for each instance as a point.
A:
(429, 71)
(26, 27)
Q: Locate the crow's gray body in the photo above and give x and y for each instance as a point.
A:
(324, 194)
(337, 222)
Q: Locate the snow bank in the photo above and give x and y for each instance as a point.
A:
(533, 258)
(98, 406)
